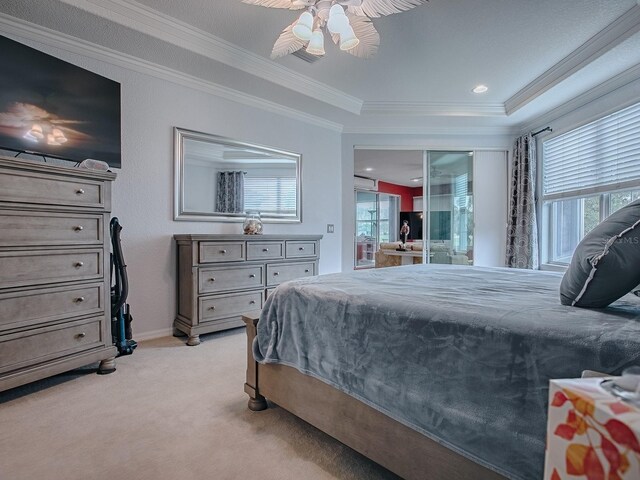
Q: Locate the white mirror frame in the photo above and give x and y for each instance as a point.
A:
(180, 135)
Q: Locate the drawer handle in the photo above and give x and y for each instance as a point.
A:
(78, 264)
(253, 275)
(265, 249)
(212, 279)
(275, 274)
(306, 270)
(301, 248)
(223, 251)
(78, 228)
(79, 300)
(81, 335)
(80, 191)
(212, 307)
(252, 302)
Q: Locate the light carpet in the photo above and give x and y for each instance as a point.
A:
(168, 412)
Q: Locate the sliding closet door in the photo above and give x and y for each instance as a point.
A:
(490, 204)
(366, 228)
(450, 220)
(377, 221)
(389, 217)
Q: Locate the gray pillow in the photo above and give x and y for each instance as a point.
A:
(606, 263)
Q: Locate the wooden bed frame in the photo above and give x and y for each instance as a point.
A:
(384, 440)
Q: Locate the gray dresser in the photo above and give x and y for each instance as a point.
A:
(221, 277)
(54, 270)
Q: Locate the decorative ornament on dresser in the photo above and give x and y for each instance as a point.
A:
(347, 22)
(252, 223)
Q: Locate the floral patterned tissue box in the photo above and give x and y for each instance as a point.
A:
(591, 434)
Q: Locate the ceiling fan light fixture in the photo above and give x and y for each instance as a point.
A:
(338, 21)
(342, 19)
(316, 44)
(348, 39)
(302, 28)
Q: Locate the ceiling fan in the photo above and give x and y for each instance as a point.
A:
(348, 23)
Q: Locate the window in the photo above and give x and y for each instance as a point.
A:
(588, 173)
(270, 194)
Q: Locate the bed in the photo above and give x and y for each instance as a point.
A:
(432, 371)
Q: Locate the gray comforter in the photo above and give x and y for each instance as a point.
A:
(462, 354)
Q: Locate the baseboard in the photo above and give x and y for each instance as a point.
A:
(163, 332)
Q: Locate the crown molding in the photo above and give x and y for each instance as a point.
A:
(611, 36)
(37, 33)
(619, 81)
(168, 29)
(434, 109)
(426, 130)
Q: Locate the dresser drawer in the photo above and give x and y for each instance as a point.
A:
(41, 344)
(212, 280)
(301, 249)
(221, 252)
(49, 266)
(223, 306)
(265, 250)
(32, 307)
(26, 228)
(25, 188)
(279, 273)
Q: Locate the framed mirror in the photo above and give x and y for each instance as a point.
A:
(218, 179)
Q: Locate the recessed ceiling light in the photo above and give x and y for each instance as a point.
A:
(368, 169)
(480, 89)
(416, 179)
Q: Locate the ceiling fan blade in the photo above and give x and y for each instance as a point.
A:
(288, 4)
(286, 43)
(380, 8)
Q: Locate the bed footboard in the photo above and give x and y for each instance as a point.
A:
(387, 442)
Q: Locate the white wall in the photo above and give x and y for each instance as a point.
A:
(494, 186)
(143, 191)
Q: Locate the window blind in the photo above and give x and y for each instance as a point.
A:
(601, 156)
(270, 194)
(461, 183)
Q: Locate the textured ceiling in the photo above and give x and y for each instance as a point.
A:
(429, 58)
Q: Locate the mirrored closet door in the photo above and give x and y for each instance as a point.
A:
(450, 207)
(432, 193)
(377, 216)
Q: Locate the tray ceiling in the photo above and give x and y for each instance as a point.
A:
(534, 56)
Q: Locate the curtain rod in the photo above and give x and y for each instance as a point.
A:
(545, 129)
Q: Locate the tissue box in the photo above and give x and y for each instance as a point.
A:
(591, 434)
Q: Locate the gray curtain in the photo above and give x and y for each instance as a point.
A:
(522, 228)
(230, 192)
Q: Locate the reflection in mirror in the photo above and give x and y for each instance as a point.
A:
(218, 179)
